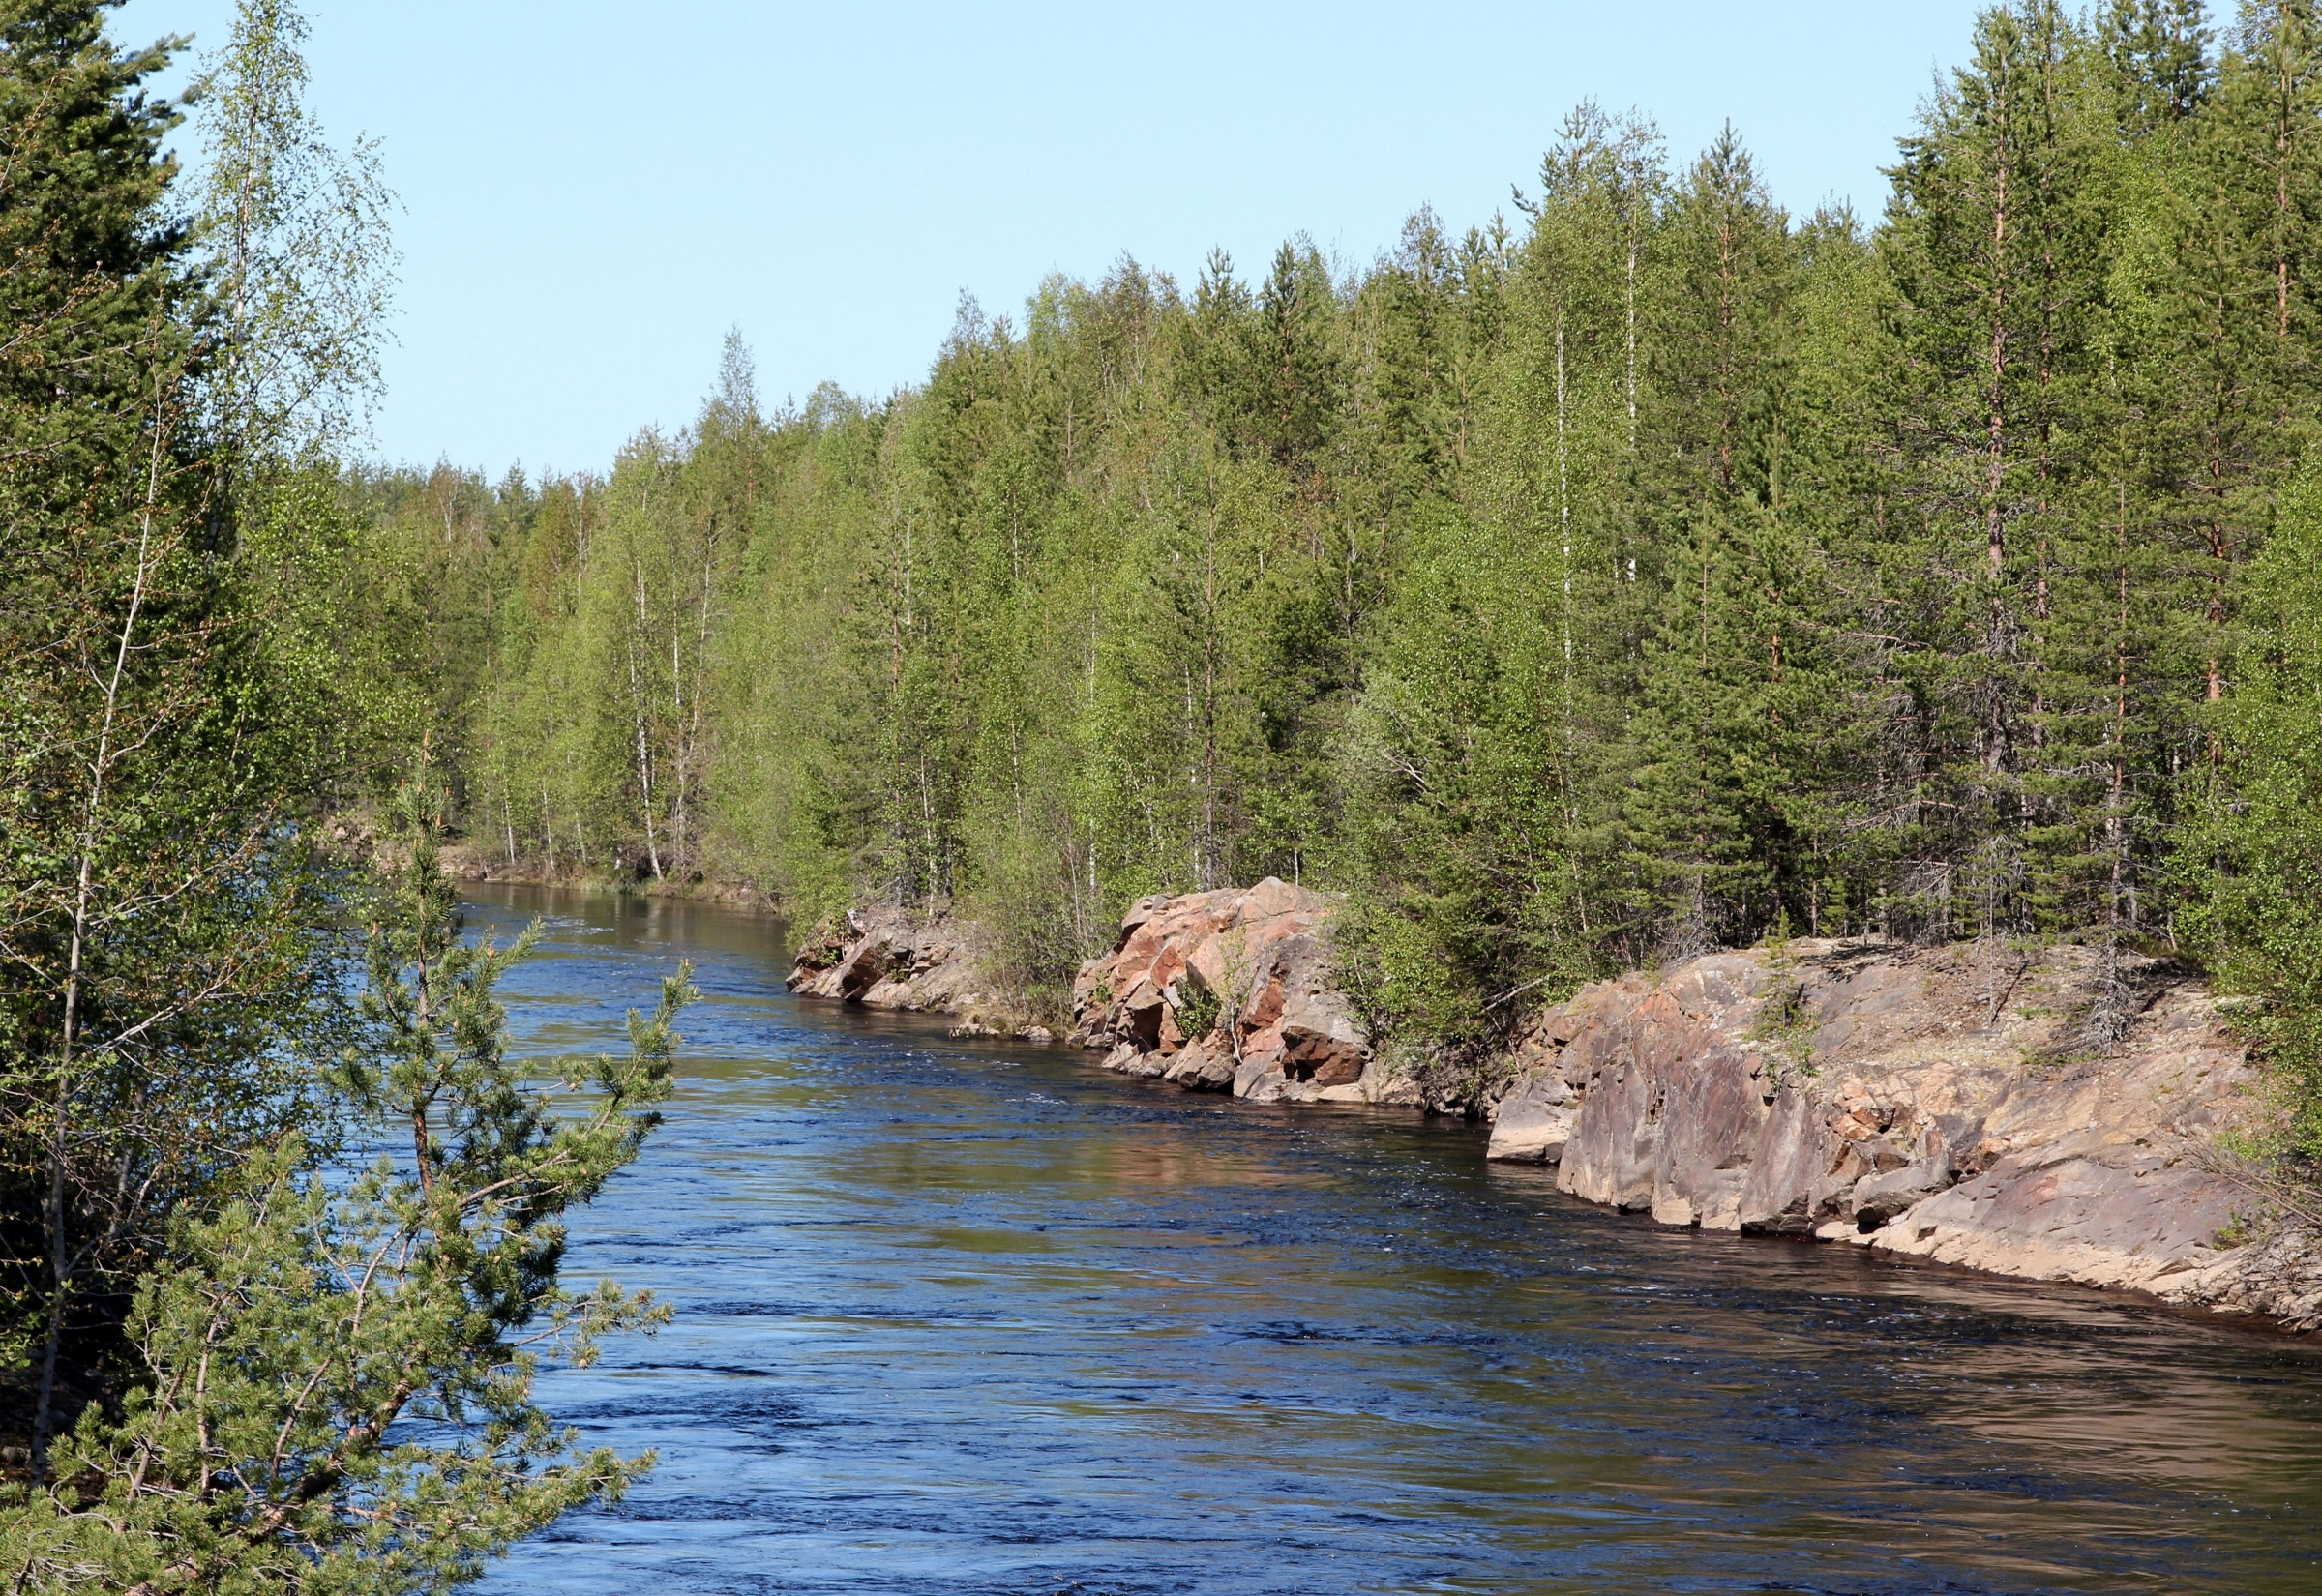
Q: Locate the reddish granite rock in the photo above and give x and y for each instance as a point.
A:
(1938, 1104)
(889, 957)
(1227, 989)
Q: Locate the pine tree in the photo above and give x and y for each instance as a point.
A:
(294, 1335)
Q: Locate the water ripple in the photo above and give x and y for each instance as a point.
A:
(968, 1318)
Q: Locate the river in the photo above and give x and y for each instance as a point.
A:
(959, 1316)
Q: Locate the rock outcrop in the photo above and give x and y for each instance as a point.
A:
(1959, 1104)
(1230, 991)
(1956, 1106)
(889, 957)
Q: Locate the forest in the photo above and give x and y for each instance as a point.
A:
(1642, 570)
(1651, 571)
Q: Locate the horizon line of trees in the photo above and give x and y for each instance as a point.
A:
(1658, 572)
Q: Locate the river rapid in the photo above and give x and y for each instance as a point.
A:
(959, 1316)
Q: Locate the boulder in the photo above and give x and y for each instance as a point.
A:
(1232, 989)
(866, 965)
(891, 957)
(1535, 1119)
(1878, 1198)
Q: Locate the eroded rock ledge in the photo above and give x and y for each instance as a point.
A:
(1945, 1105)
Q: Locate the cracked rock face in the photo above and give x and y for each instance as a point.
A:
(1933, 1104)
(1228, 990)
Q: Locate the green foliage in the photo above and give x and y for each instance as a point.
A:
(297, 252)
(1785, 1025)
(335, 1380)
(219, 1371)
(2254, 867)
(167, 962)
(1199, 1010)
(1663, 572)
(1569, 595)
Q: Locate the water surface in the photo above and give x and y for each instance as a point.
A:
(964, 1318)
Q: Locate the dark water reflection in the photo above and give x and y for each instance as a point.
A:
(970, 1317)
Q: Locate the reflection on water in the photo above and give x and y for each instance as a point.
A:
(959, 1316)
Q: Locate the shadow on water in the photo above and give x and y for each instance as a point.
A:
(961, 1316)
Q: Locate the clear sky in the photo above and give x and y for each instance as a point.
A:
(593, 193)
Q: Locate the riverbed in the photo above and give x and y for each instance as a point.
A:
(965, 1316)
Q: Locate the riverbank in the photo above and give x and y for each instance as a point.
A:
(976, 1315)
(2028, 1112)
(891, 957)
(354, 837)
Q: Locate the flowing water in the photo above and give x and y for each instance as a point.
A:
(961, 1316)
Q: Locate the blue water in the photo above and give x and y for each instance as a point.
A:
(966, 1317)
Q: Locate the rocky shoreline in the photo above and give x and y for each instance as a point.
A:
(1230, 990)
(889, 957)
(1958, 1104)
(1950, 1104)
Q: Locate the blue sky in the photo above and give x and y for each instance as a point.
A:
(593, 194)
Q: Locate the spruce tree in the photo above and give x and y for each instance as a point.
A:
(1709, 840)
(1993, 247)
(2251, 872)
(2159, 54)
